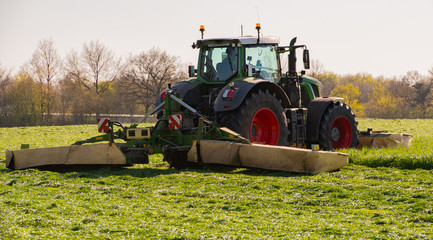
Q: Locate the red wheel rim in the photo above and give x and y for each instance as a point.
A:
(264, 127)
(341, 133)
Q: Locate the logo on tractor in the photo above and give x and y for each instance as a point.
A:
(103, 125)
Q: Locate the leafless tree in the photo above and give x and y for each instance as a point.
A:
(45, 65)
(4, 82)
(423, 94)
(148, 74)
(95, 68)
(413, 77)
(329, 81)
(45, 62)
(316, 69)
(430, 71)
(4, 77)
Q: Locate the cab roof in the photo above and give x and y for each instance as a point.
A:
(245, 40)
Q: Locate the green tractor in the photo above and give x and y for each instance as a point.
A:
(239, 83)
(235, 106)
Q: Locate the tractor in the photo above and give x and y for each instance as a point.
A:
(239, 83)
(237, 108)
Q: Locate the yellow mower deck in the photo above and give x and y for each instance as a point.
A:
(268, 157)
(104, 154)
(383, 139)
(228, 153)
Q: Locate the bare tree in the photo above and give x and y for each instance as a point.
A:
(45, 65)
(4, 77)
(95, 68)
(423, 97)
(329, 81)
(45, 62)
(5, 81)
(413, 77)
(317, 68)
(420, 94)
(148, 74)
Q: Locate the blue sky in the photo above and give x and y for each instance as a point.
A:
(381, 37)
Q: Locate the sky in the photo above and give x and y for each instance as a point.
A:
(381, 37)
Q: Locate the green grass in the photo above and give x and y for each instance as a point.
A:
(215, 202)
(419, 155)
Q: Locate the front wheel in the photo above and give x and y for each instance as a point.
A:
(338, 128)
(260, 118)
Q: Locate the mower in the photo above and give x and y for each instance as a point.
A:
(237, 108)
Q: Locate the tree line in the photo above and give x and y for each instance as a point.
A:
(54, 90)
(408, 96)
(50, 90)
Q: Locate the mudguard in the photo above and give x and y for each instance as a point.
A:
(183, 89)
(313, 87)
(242, 88)
(316, 108)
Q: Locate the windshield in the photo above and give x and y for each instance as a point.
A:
(219, 63)
(262, 62)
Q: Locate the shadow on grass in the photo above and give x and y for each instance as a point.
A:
(217, 168)
(5, 170)
(271, 173)
(149, 172)
(153, 170)
(97, 171)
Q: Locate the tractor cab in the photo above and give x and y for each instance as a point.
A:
(225, 59)
(251, 58)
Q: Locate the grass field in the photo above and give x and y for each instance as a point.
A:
(381, 194)
(419, 155)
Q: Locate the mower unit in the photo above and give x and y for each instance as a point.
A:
(383, 139)
(104, 154)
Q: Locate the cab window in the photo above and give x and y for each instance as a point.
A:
(219, 63)
(261, 62)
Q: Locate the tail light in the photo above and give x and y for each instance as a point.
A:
(229, 93)
(163, 95)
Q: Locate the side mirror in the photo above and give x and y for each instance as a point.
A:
(191, 71)
(306, 59)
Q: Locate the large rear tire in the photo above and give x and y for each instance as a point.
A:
(338, 127)
(260, 118)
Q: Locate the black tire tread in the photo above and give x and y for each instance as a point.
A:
(234, 119)
(324, 138)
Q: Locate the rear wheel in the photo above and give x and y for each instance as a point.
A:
(260, 118)
(338, 128)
